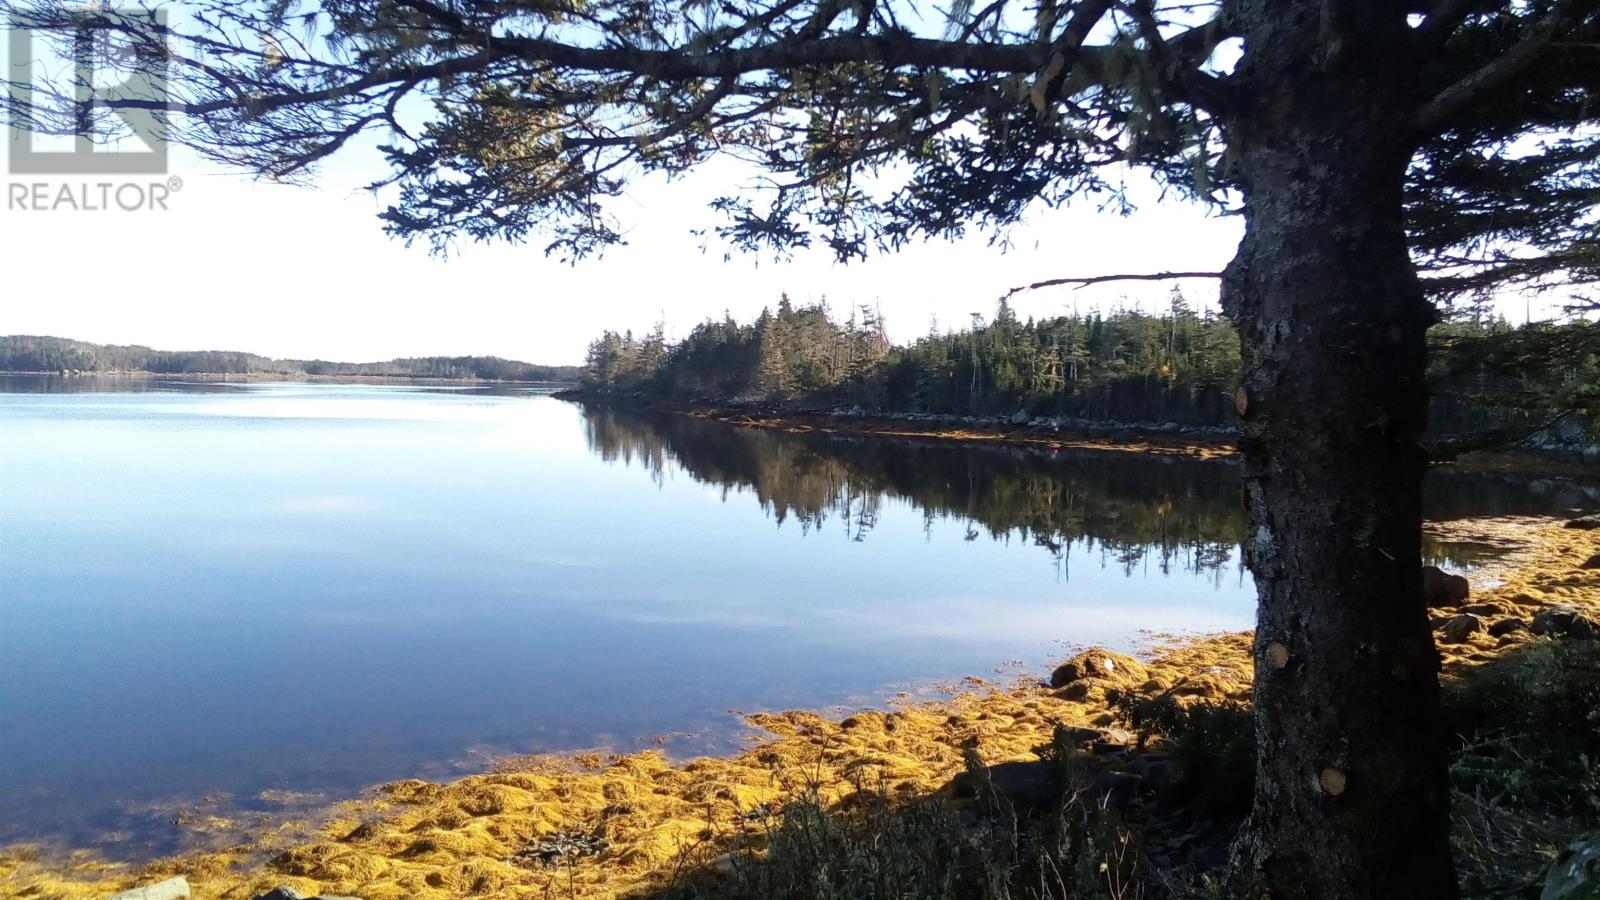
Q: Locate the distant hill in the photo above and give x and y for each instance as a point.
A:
(30, 353)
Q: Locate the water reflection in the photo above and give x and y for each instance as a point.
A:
(251, 588)
(1174, 511)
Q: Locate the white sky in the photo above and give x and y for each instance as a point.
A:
(289, 271)
(308, 273)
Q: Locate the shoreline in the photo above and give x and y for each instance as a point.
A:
(1194, 442)
(282, 376)
(626, 823)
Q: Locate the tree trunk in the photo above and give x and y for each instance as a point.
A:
(1351, 782)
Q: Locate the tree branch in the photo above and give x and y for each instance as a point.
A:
(1437, 114)
(1452, 447)
(1103, 279)
(1178, 70)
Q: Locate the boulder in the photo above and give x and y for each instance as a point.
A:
(1591, 455)
(171, 889)
(1506, 626)
(1592, 562)
(1575, 875)
(1563, 621)
(1019, 418)
(1096, 664)
(1441, 588)
(1158, 771)
(1088, 738)
(1459, 628)
(284, 892)
(1024, 783)
(1585, 523)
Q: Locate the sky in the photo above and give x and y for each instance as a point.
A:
(306, 272)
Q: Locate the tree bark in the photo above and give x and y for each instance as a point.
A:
(1351, 780)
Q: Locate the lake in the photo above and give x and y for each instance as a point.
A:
(279, 590)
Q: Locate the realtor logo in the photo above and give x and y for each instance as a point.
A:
(106, 64)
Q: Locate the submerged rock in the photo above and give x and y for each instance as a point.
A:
(171, 889)
(1098, 665)
(1441, 588)
(1585, 523)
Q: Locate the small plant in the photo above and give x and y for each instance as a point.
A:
(1526, 768)
(1211, 744)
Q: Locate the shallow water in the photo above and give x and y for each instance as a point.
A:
(267, 589)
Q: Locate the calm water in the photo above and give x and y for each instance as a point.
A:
(242, 589)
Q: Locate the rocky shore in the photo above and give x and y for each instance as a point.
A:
(633, 825)
(1561, 451)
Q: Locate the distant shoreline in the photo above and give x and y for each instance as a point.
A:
(284, 376)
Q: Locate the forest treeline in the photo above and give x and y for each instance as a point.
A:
(1181, 365)
(28, 353)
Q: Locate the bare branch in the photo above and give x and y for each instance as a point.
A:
(1103, 279)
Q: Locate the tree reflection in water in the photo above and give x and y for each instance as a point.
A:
(1136, 509)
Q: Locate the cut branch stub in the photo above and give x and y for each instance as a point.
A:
(1277, 655)
(1332, 781)
(1241, 401)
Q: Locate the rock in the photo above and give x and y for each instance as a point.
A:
(171, 889)
(1563, 621)
(1591, 455)
(1084, 738)
(1077, 691)
(1113, 790)
(1586, 523)
(1098, 665)
(1159, 772)
(1592, 562)
(1459, 628)
(284, 892)
(1440, 588)
(1019, 418)
(1027, 783)
(1506, 626)
(1575, 875)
